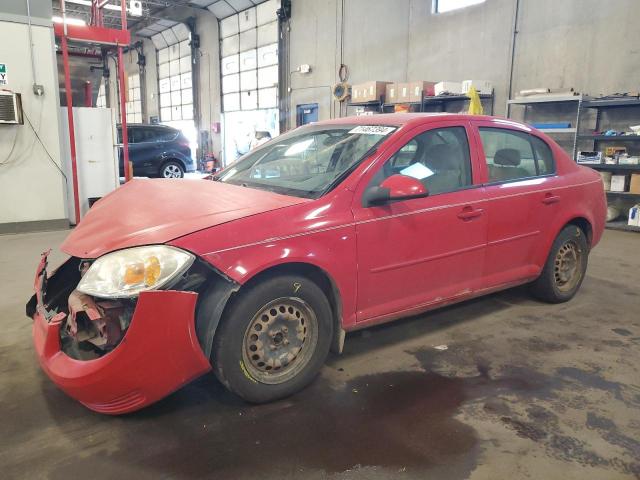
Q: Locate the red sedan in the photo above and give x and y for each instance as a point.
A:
(331, 227)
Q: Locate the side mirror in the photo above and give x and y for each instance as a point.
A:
(395, 187)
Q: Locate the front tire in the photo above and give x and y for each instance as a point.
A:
(273, 339)
(565, 267)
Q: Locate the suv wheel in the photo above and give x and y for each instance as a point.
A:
(172, 170)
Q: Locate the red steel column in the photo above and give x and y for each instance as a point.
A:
(72, 134)
(123, 108)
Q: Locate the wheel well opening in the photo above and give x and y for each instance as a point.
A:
(316, 275)
(585, 226)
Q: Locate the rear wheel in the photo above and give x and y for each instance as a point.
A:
(565, 268)
(172, 169)
(274, 339)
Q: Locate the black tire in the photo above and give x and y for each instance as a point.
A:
(171, 169)
(232, 341)
(555, 285)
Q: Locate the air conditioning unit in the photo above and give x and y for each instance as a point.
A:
(10, 108)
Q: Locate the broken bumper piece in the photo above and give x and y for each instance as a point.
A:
(158, 354)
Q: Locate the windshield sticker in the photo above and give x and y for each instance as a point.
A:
(372, 130)
(417, 170)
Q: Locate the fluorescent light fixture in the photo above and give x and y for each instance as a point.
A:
(441, 6)
(87, 3)
(70, 21)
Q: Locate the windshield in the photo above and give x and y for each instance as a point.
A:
(308, 161)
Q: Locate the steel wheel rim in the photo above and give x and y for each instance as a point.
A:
(568, 266)
(171, 171)
(280, 340)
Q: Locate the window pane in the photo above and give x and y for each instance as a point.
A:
(174, 67)
(165, 114)
(544, 156)
(441, 6)
(174, 52)
(268, 77)
(185, 80)
(508, 154)
(268, 98)
(247, 60)
(231, 102)
(247, 19)
(249, 100)
(248, 80)
(163, 55)
(187, 96)
(230, 64)
(230, 45)
(231, 83)
(165, 100)
(439, 158)
(176, 113)
(164, 85)
(229, 26)
(187, 112)
(185, 65)
(175, 83)
(176, 98)
(268, 34)
(163, 70)
(248, 40)
(185, 49)
(268, 55)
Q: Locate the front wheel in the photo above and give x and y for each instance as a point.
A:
(172, 170)
(274, 339)
(565, 268)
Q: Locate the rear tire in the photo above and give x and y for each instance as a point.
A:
(273, 339)
(565, 267)
(172, 169)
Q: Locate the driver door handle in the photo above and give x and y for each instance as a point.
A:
(469, 213)
(550, 199)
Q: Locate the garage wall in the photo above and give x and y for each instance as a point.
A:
(32, 189)
(559, 44)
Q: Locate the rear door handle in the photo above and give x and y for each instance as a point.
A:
(469, 213)
(550, 198)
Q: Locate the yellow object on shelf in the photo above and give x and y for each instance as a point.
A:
(475, 105)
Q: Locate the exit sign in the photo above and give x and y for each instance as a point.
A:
(3, 74)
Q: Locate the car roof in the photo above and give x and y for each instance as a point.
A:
(399, 119)
(148, 125)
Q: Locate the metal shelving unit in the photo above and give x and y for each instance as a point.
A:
(529, 102)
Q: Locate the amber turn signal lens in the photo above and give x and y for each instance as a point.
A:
(152, 271)
(134, 273)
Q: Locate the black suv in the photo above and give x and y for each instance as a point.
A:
(157, 151)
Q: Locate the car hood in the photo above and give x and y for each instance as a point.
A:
(144, 212)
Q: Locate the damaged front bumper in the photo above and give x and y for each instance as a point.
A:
(158, 354)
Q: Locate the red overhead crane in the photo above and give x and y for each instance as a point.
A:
(94, 33)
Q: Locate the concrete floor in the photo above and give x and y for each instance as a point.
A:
(522, 390)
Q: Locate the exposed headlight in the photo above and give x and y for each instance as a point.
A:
(128, 272)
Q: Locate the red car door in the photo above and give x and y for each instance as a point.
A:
(523, 198)
(420, 252)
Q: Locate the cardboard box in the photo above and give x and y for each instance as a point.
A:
(634, 216)
(625, 159)
(391, 93)
(589, 157)
(368, 91)
(404, 92)
(612, 151)
(618, 183)
(484, 87)
(634, 184)
(420, 87)
(448, 88)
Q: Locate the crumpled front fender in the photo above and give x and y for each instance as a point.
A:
(159, 353)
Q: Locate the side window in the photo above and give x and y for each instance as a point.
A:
(439, 158)
(512, 155)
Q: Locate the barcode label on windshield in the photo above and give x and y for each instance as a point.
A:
(372, 130)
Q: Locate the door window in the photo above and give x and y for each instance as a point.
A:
(512, 155)
(439, 158)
